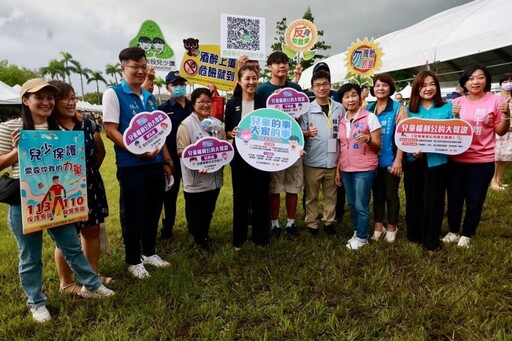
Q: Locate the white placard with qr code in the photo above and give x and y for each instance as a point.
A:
(242, 35)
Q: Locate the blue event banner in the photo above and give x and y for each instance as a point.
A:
(52, 178)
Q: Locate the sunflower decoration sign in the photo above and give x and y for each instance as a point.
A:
(300, 36)
(363, 59)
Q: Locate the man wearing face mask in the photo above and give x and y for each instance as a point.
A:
(178, 108)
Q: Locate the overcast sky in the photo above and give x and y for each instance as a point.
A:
(34, 31)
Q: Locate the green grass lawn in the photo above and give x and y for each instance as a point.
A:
(304, 289)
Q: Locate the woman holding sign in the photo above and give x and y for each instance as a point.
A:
(250, 185)
(37, 104)
(471, 172)
(68, 119)
(201, 188)
(387, 180)
(425, 174)
(359, 134)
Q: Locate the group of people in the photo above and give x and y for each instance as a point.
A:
(349, 153)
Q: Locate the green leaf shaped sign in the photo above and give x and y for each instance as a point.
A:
(308, 55)
(288, 51)
(158, 53)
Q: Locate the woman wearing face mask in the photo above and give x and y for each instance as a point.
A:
(250, 185)
(200, 188)
(503, 143)
(37, 104)
(471, 172)
(387, 180)
(66, 116)
(178, 108)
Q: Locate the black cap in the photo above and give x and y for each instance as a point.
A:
(321, 66)
(173, 76)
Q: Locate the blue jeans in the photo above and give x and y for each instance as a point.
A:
(358, 188)
(30, 264)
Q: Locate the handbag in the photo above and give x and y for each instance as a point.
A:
(9, 190)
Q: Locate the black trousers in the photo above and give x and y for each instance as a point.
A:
(199, 208)
(250, 186)
(340, 203)
(385, 195)
(170, 198)
(425, 190)
(142, 194)
(468, 183)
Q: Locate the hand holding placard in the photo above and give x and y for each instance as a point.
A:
(456, 110)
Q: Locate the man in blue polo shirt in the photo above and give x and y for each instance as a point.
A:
(178, 108)
(141, 177)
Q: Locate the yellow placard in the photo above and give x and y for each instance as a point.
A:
(364, 57)
(206, 66)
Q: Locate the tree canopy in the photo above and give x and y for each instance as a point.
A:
(320, 45)
(11, 74)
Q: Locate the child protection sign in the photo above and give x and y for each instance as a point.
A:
(450, 137)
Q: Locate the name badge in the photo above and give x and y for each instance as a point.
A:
(331, 145)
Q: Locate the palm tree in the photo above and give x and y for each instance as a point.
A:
(97, 77)
(55, 69)
(159, 82)
(67, 58)
(78, 69)
(113, 70)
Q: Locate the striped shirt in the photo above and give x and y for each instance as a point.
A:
(6, 145)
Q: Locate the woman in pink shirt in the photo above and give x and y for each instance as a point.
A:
(471, 172)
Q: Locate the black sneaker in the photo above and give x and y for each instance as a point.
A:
(330, 230)
(275, 232)
(312, 231)
(292, 230)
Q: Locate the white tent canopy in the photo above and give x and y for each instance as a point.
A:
(8, 95)
(479, 31)
(86, 106)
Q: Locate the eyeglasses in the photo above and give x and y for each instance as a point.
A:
(204, 103)
(69, 100)
(138, 67)
(321, 85)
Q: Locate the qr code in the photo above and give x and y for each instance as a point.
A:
(243, 34)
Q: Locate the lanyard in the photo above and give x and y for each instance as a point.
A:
(328, 116)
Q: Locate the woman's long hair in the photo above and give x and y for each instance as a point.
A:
(28, 121)
(414, 101)
(65, 90)
(237, 92)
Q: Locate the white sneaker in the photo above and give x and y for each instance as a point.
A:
(464, 242)
(155, 260)
(353, 237)
(391, 235)
(40, 314)
(378, 234)
(355, 244)
(138, 271)
(99, 292)
(450, 238)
